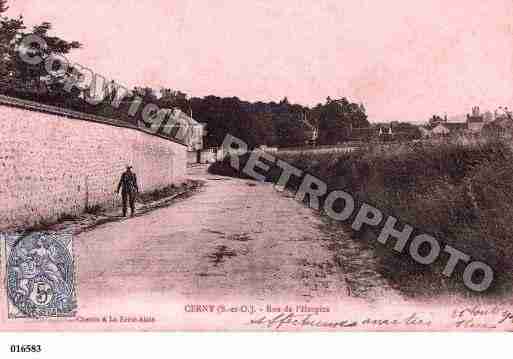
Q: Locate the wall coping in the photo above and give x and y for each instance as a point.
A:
(60, 111)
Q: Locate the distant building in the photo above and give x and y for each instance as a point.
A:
(455, 127)
(385, 131)
(503, 113)
(449, 128)
(443, 129)
(502, 125)
(440, 129)
(488, 116)
(192, 133)
(475, 121)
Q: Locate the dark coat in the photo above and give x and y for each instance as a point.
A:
(128, 183)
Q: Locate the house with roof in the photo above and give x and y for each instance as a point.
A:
(181, 125)
(438, 126)
(450, 128)
(475, 121)
(501, 126)
(503, 113)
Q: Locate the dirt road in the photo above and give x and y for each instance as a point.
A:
(234, 239)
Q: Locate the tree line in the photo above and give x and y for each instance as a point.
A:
(258, 123)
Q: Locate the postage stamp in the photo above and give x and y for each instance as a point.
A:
(256, 165)
(40, 275)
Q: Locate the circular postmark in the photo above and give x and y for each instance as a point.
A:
(40, 276)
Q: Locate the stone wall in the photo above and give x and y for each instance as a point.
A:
(55, 162)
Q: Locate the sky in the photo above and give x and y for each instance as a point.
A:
(405, 60)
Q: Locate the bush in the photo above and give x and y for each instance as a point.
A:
(460, 193)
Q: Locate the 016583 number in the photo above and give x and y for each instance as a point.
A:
(25, 348)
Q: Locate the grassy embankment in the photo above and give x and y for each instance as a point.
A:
(461, 194)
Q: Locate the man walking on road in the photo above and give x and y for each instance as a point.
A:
(129, 189)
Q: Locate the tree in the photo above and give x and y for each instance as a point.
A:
(9, 31)
(258, 123)
(23, 79)
(289, 128)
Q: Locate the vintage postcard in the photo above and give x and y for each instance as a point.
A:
(256, 166)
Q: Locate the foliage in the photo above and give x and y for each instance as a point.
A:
(273, 124)
(19, 78)
(337, 118)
